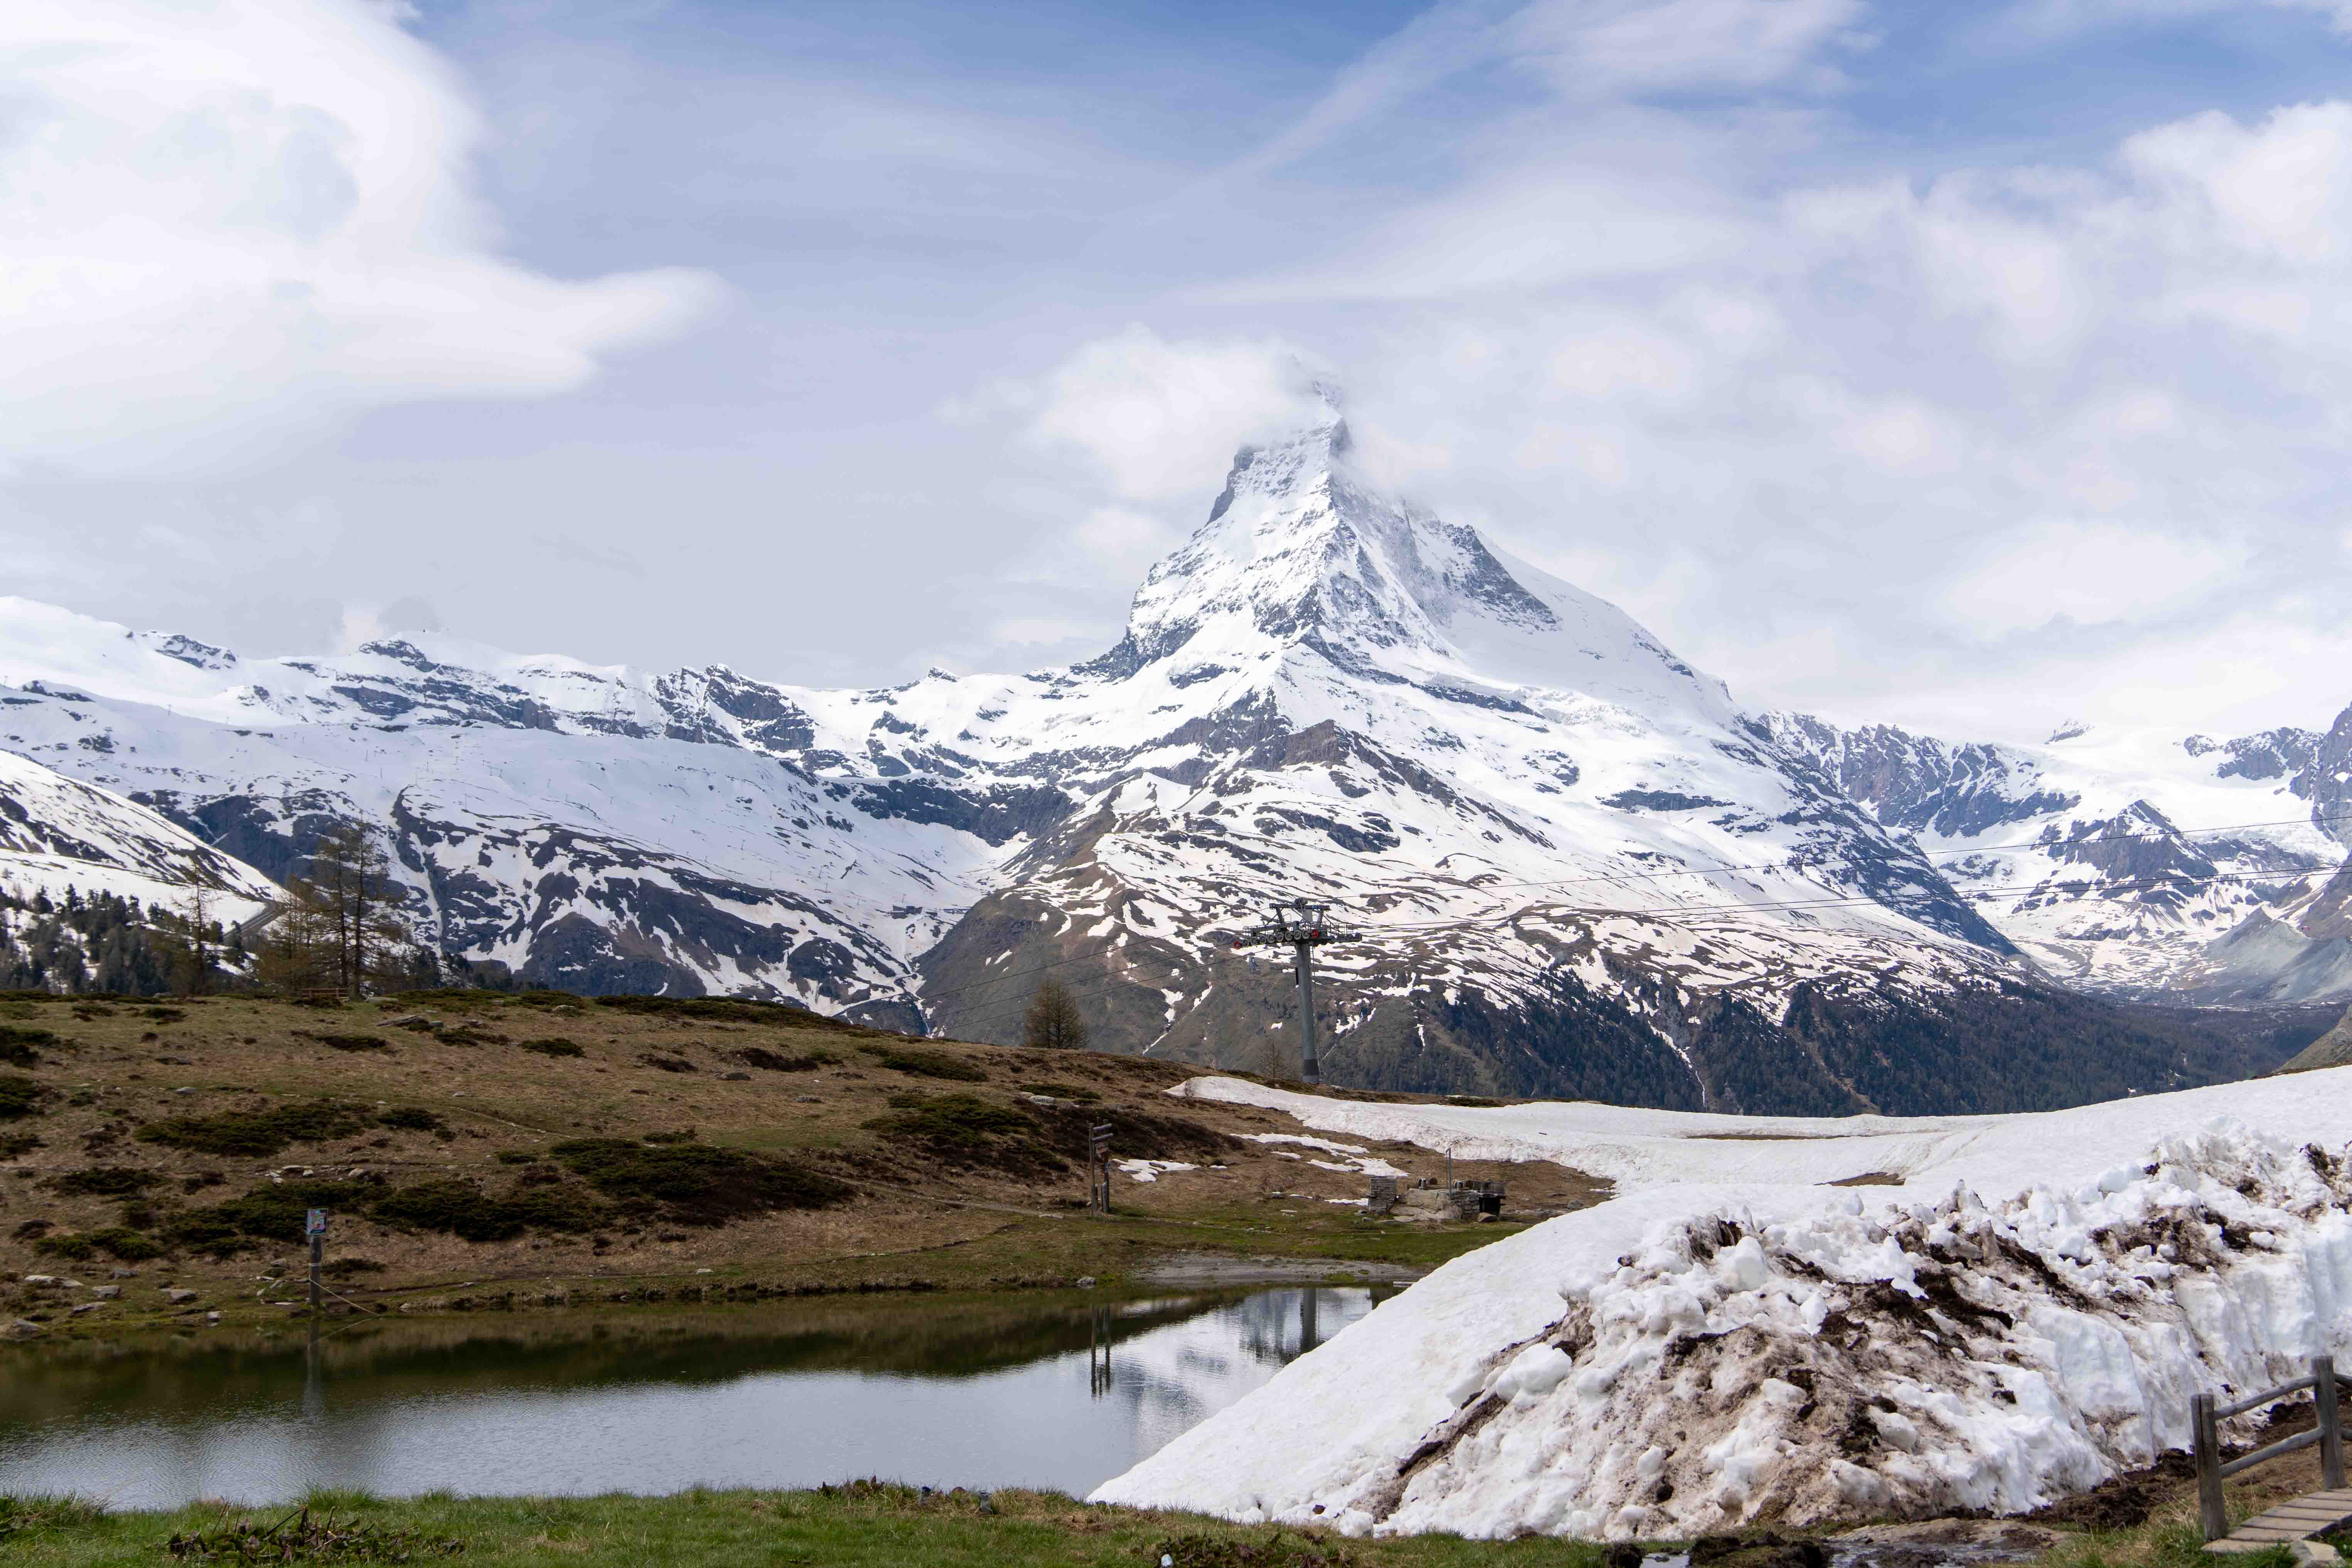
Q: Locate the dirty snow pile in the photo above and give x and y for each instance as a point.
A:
(2026, 1314)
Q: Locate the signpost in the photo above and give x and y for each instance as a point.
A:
(1099, 1168)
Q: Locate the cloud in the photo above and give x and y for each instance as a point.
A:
(240, 222)
(1158, 419)
(2092, 574)
(1634, 47)
(1986, 423)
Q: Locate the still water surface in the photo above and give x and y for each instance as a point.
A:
(997, 1393)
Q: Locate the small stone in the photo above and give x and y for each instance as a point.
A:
(176, 1296)
(105, 1292)
(23, 1329)
(1086, 1282)
(212, 1317)
(86, 1307)
(736, 1077)
(40, 1278)
(806, 1099)
(123, 1274)
(183, 1091)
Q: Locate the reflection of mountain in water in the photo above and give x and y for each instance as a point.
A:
(1175, 1377)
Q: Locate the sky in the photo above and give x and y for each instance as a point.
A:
(1974, 368)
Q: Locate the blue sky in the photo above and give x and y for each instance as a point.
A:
(1973, 367)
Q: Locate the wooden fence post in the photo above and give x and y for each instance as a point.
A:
(2331, 1422)
(2213, 1513)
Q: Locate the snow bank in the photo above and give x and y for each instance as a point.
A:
(2029, 1313)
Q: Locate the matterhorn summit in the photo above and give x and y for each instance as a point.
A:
(1568, 864)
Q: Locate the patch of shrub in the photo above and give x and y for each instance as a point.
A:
(19, 1097)
(410, 1119)
(758, 1057)
(454, 1000)
(459, 1208)
(467, 1035)
(115, 1241)
(554, 1045)
(728, 1009)
(965, 1130)
(346, 1042)
(667, 1064)
(345, 1268)
(165, 1014)
(455, 1206)
(546, 1205)
(88, 1012)
(34, 1228)
(1136, 1134)
(683, 1136)
(545, 999)
(1058, 1092)
(320, 1539)
(695, 1183)
(273, 1212)
(13, 1145)
(324, 1003)
(518, 1156)
(107, 1181)
(925, 1064)
(260, 1132)
(16, 1044)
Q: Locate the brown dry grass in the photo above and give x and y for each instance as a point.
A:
(916, 1220)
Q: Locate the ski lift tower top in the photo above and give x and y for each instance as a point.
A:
(1302, 927)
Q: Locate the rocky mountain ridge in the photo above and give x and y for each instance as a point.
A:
(1572, 865)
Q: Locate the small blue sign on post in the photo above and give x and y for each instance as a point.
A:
(316, 1224)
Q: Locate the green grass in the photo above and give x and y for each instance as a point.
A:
(862, 1525)
(2162, 1543)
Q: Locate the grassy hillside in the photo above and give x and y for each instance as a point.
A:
(483, 1151)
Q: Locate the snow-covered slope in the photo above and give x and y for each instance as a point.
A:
(2099, 855)
(1569, 863)
(57, 834)
(2026, 1312)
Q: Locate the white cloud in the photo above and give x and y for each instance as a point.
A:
(236, 221)
(2092, 574)
(1123, 541)
(1160, 419)
(1862, 404)
(1645, 45)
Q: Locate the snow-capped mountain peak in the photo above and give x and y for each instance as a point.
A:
(1302, 555)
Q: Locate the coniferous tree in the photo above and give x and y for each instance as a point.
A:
(1052, 1023)
(340, 929)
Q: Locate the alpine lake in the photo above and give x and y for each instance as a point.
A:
(1060, 1392)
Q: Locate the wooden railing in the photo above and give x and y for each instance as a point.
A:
(2205, 1418)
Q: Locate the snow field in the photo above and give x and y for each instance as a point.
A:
(2027, 1314)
